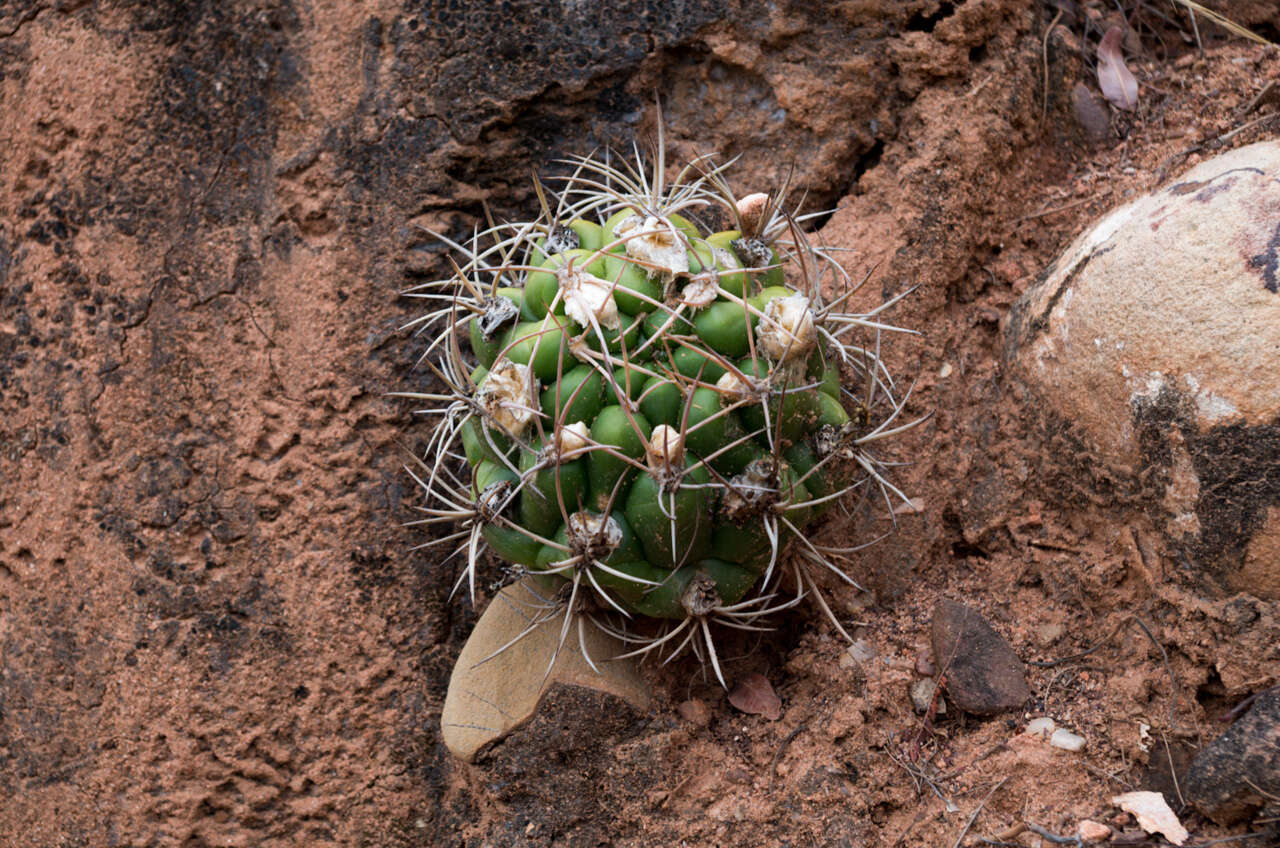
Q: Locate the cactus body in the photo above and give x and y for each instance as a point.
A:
(647, 410)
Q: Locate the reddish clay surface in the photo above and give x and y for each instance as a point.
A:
(213, 630)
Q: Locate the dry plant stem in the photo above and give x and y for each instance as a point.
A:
(1044, 54)
(782, 747)
(1053, 837)
(978, 809)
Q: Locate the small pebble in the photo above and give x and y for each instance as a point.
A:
(695, 711)
(1066, 740)
(1047, 634)
(922, 693)
(1092, 832)
(862, 650)
(1042, 726)
(984, 674)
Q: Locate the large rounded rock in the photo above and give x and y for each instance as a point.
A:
(1153, 342)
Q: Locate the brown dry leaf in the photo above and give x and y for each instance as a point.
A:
(501, 674)
(1114, 77)
(755, 695)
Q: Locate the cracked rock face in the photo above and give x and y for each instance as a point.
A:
(1153, 338)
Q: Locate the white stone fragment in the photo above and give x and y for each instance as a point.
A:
(1153, 814)
(1042, 726)
(1066, 740)
(922, 692)
(786, 330)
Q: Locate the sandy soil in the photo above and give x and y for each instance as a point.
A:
(213, 630)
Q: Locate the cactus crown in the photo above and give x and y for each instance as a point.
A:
(645, 414)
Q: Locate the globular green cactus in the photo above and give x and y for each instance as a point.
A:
(646, 414)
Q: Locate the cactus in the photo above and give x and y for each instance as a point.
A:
(646, 414)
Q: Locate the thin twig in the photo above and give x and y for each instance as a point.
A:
(1054, 210)
(1173, 681)
(978, 809)
(1053, 837)
(1173, 771)
(1244, 127)
(777, 755)
(1044, 52)
(1101, 643)
(1258, 98)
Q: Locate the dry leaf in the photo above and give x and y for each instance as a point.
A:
(501, 673)
(1114, 78)
(755, 695)
(1153, 814)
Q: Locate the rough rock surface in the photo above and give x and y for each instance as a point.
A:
(1154, 335)
(984, 676)
(1239, 772)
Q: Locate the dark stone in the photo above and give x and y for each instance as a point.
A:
(1240, 770)
(1091, 115)
(983, 674)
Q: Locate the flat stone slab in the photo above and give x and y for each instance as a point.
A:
(983, 674)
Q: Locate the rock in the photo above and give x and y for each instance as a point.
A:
(984, 676)
(1248, 753)
(1066, 740)
(695, 711)
(1153, 814)
(922, 695)
(1092, 832)
(1042, 726)
(489, 698)
(1147, 344)
(862, 650)
(1047, 634)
